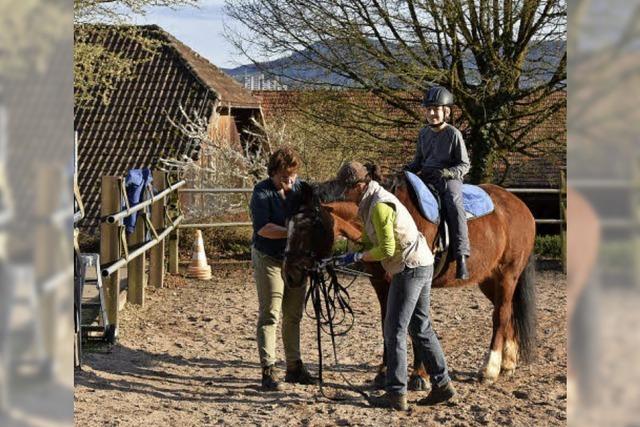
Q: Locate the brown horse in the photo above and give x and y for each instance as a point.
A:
(501, 264)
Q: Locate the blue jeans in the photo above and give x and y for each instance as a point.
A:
(408, 309)
(450, 191)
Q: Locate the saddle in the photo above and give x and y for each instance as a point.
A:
(477, 203)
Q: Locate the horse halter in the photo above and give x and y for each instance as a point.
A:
(317, 221)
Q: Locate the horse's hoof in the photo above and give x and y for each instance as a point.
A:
(417, 383)
(487, 379)
(507, 372)
(380, 380)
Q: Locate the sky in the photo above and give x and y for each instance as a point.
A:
(199, 28)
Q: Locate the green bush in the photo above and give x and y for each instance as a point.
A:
(549, 246)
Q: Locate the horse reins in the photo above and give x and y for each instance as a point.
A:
(331, 308)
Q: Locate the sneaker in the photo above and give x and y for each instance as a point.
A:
(439, 395)
(395, 401)
(299, 375)
(269, 382)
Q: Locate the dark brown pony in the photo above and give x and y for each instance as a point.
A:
(501, 264)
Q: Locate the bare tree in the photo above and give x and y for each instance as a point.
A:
(221, 163)
(501, 59)
(96, 68)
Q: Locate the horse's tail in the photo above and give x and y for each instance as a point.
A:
(524, 312)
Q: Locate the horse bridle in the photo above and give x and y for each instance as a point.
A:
(317, 221)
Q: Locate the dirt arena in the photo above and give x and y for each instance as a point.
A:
(189, 358)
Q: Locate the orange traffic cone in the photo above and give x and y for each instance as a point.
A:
(199, 268)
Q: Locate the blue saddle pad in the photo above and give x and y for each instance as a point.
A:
(476, 201)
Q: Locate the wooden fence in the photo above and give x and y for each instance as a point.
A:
(117, 251)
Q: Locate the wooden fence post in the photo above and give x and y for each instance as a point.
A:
(110, 244)
(156, 258)
(136, 268)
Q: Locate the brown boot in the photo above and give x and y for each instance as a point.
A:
(269, 382)
(395, 401)
(298, 374)
(439, 395)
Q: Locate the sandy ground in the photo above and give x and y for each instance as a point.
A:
(189, 358)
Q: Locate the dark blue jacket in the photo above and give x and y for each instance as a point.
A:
(267, 206)
(135, 183)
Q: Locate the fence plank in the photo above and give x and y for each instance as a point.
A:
(136, 267)
(156, 257)
(110, 243)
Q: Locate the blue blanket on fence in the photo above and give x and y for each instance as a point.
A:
(135, 183)
(476, 201)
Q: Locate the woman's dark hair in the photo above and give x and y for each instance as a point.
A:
(284, 158)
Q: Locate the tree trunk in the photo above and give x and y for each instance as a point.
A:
(481, 155)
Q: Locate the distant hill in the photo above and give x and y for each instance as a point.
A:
(295, 70)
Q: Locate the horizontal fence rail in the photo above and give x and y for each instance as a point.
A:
(111, 268)
(249, 190)
(218, 224)
(215, 190)
(111, 219)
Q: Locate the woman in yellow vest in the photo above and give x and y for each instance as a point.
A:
(393, 239)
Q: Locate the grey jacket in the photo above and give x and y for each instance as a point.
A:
(441, 150)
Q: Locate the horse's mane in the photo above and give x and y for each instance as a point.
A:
(328, 191)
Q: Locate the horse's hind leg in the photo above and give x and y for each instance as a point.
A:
(502, 352)
(509, 351)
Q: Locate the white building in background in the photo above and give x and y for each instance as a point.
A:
(259, 81)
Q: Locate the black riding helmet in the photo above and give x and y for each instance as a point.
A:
(437, 95)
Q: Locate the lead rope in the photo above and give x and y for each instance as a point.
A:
(333, 294)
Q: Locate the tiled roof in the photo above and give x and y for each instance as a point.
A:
(541, 171)
(229, 90)
(134, 130)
